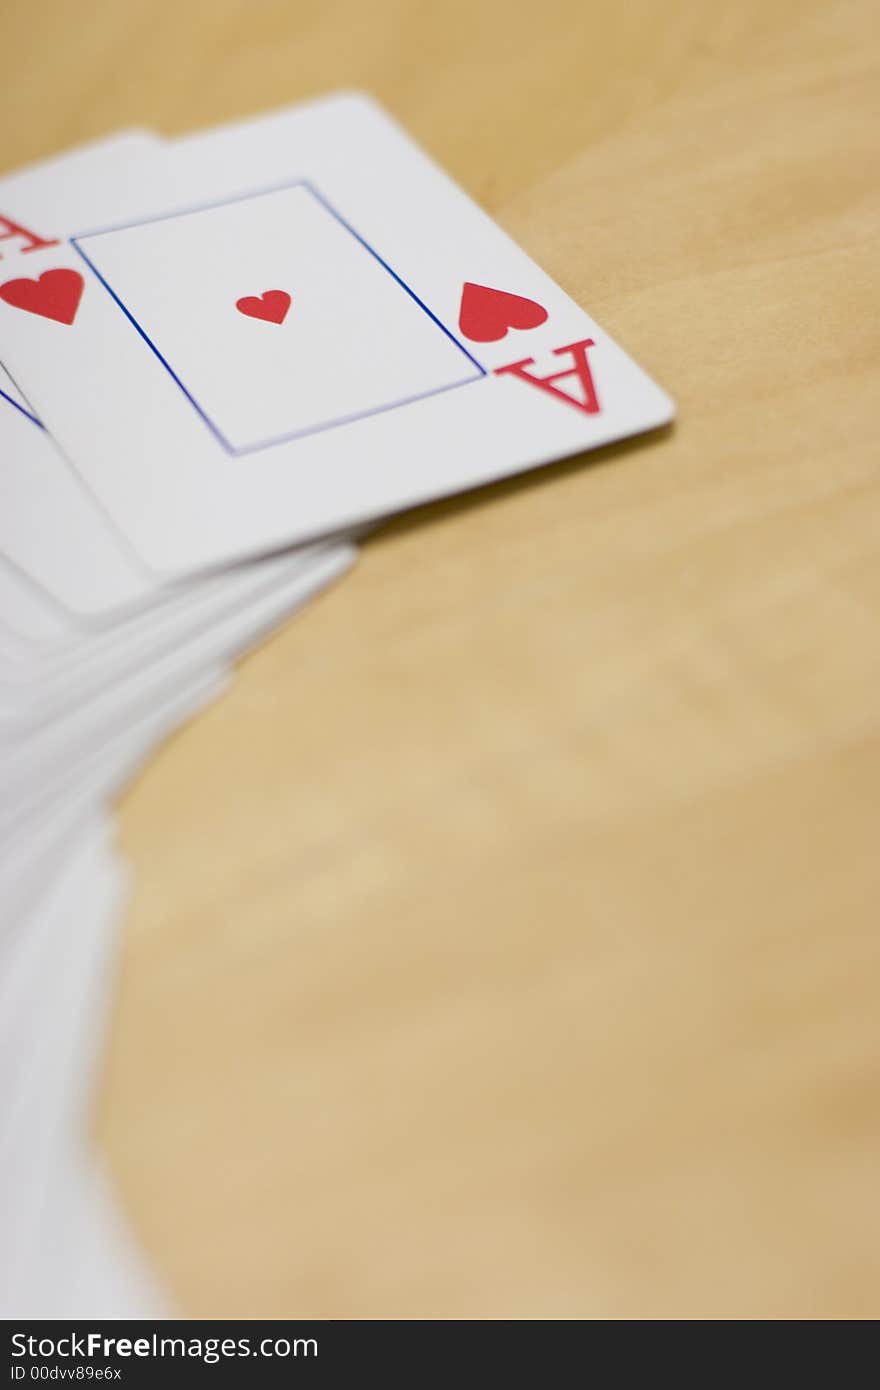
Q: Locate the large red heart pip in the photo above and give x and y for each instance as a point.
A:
(55, 295)
(272, 305)
(486, 314)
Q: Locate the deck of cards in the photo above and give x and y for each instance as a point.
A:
(224, 356)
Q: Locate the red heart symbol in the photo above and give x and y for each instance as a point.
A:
(486, 314)
(55, 295)
(272, 305)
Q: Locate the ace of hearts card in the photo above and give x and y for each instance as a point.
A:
(294, 326)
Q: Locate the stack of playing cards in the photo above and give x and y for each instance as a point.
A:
(222, 356)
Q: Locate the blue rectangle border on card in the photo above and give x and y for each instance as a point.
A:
(476, 375)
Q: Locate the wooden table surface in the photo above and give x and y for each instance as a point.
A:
(505, 942)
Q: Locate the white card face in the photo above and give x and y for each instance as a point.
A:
(304, 325)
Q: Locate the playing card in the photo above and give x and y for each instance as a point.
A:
(12, 647)
(40, 843)
(30, 695)
(50, 525)
(36, 768)
(298, 325)
(89, 1266)
(52, 1020)
(30, 619)
(25, 951)
(73, 1256)
(10, 393)
(99, 660)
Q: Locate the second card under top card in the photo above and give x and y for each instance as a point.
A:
(303, 326)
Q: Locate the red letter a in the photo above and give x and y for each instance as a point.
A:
(581, 369)
(9, 230)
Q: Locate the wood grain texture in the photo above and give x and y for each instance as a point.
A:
(505, 942)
